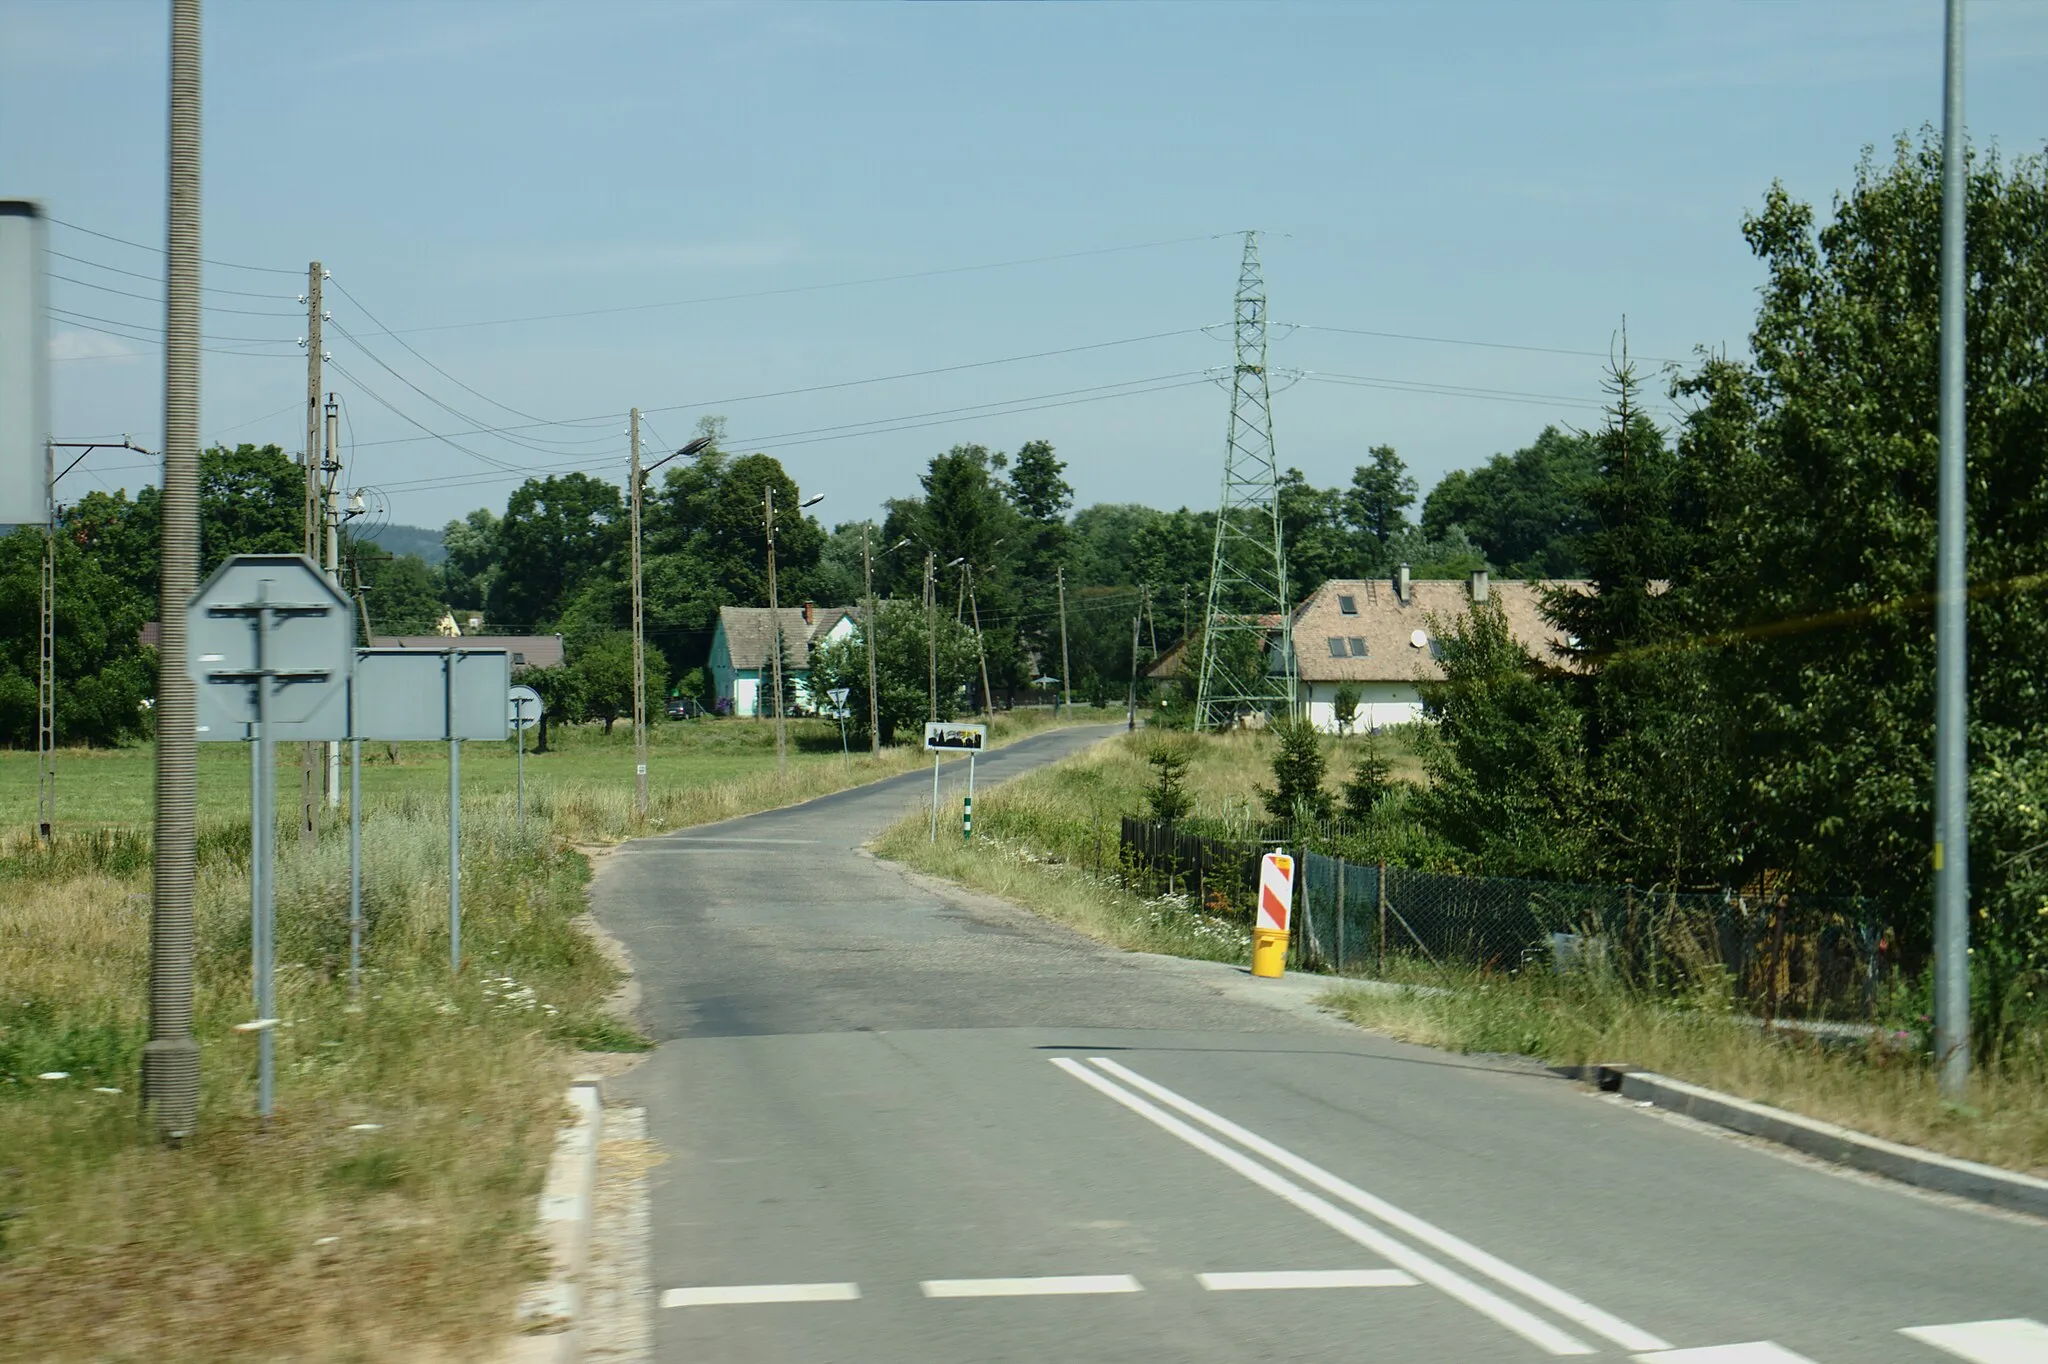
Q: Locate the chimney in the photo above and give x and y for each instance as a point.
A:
(1401, 583)
(1479, 585)
(810, 613)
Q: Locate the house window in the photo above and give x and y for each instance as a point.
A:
(1348, 605)
(1357, 647)
(1336, 647)
(518, 660)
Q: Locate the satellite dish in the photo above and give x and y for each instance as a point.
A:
(1419, 640)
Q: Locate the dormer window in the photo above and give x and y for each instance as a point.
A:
(1348, 605)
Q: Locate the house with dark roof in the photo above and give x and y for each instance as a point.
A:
(527, 651)
(1378, 637)
(743, 652)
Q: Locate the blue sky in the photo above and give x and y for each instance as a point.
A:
(1518, 174)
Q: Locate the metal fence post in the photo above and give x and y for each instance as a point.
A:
(1338, 934)
(1380, 943)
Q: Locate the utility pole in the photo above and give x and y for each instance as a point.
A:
(988, 700)
(931, 631)
(46, 677)
(1131, 714)
(170, 1059)
(1951, 610)
(1066, 669)
(309, 808)
(775, 640)
(330, 521)
(868, 626)
(639, 628)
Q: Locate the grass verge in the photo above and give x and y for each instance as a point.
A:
(385, 1212)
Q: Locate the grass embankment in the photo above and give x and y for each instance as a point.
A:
(385, 1211)
(1048, 841)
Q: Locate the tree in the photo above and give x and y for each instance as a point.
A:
(1298, 771)
(104, 675)
(557, 533)
(1312, 528)
(1344, 707)
(402, 594)
(472, 563)
(561, 698)
(1368, 782)
(604, 670)
(1524, 510)
(251, 501)
(1168, 800)
(1040, 497)
(901, 668)
(1376, 505)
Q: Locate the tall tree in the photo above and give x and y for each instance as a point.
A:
(1376, 504)
(1525, 510)
(557, 533)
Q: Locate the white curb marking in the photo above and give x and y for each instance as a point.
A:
(748, 1294)
(1308, 1278)
(1048, 1286)
(2017, 1340)
(1523, 1323)
(1755, 1352)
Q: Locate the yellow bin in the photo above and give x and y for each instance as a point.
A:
(1269, 952)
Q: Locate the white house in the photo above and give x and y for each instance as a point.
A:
(1375, 636)
(743, 652)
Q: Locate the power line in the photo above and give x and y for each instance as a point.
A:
(158, 250)
(70, 319)
(157, 299)
(810, 288)
(1463, 341)
(389, 406)
(159, 279)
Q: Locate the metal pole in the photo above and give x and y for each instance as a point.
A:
(454, 823)
(309, 813)
(330, 527)
(988, 701)
(868, 628)
(262, 834)
(639, 638)
(1951, 614)
(1066, 668)
(775, 621)
(931, 640)
(1131, 715)
(967, 810)
(170, 1060)
(46, 677)
(355, 867)
(520, 726)
(935, 798)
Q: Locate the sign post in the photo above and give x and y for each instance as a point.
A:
(1276, 903)
(271, 647)
(838, 696)
(946, 736)
(526, 712)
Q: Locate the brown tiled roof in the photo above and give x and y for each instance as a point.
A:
(750, 633)
(536, 651)
(1386, 627)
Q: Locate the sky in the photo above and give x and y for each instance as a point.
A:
(864, 233)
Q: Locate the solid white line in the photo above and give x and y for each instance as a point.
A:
(1755, 1352)
(1049, 1286)
(1307, 1278)
(1569, 1306)
(744, 1294)
(2016, 1340)
(1482, 1300)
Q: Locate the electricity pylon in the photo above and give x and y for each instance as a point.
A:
(1248, 634)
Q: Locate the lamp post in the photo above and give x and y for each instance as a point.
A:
(639, 475)
(868, 629)
(775, 617)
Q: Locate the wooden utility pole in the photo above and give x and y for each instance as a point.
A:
(1131, 716)
(330, 527)
(988, 701)
(1066, 668)
(931, 631)
(775, 639)
(309, 800)
(867, 572)
(639, 627)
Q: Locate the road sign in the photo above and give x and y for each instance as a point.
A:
(525, 708)
(270, 622)
(838, 697)
(432, 694)
(944, 736)
(1276, 891)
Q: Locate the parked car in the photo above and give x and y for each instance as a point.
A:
(683, 708)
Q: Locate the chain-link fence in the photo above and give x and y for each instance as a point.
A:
(1782, 955)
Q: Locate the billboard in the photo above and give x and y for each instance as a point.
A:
(24, 366)
(946, 736)
(431, 694)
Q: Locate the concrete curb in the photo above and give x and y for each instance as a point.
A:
(551, 1312)
(1824, 1140)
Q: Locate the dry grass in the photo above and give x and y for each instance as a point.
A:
(308, 1239)
(1877, 1088)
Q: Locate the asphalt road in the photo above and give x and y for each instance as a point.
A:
(905, 1123)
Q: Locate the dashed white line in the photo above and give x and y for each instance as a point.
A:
(1567, 1305)
(1047, 1286)
(1485, 1301)
(2016, 1340)
(737, 1295)
(1307, 1278)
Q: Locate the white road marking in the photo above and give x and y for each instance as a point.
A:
(1756, 1352)
(1049, 1286)
(2016, 1340)
(1569, 1306)
(744, 1294)
(1307, 1278)
(1482, 1300)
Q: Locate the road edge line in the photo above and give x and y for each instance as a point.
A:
(551, 1312)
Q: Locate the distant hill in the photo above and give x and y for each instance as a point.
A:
(409, 540)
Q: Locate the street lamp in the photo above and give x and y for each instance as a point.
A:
(868, 628)
(775, 616)
(697, 446)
